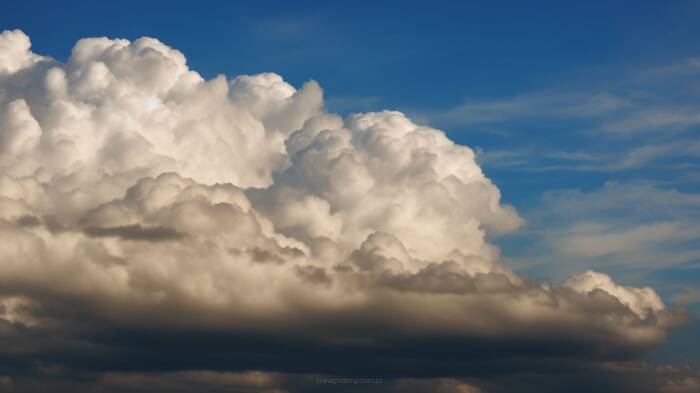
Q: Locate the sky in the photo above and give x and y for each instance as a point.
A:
(581, 122)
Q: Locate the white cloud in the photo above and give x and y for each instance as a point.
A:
(641, 300)
(135, 193)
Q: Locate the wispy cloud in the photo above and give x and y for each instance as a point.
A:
(644, 120)
(687, 296)
(618, 226)
(646, 100)
(537, 105)
(654, 119)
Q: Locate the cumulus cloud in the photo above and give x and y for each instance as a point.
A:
(641, 301)
(154, 220)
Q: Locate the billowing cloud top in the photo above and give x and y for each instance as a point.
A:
(137, 196)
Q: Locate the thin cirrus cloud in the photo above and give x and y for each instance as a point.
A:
(621, 225)
(531, 106)
(674, 154)
(643, 119)
(165, 232)
(647, 100)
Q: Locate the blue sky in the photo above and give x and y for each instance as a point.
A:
(586, 115)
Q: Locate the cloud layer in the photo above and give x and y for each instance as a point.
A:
(152, 220)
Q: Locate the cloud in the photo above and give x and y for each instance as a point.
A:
(156, 222)
(660, 100)
(134, 232)
(687, 296)
(640, 122)
(606, 378)
(678, 154)
(641, 301)
(550, 104)
(625, 227)
(653, 119)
